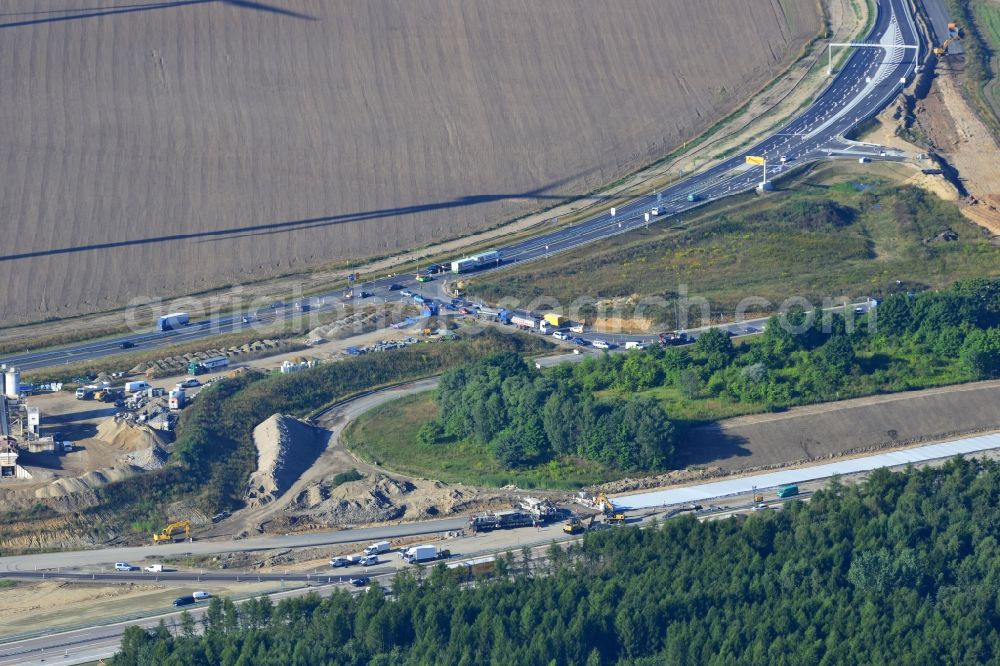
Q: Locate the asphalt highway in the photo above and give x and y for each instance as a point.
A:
(869, 80)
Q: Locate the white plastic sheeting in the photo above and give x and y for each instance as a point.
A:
(786, 477)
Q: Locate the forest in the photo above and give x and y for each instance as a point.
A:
(901, 568)
(629, 411)
(526, 418)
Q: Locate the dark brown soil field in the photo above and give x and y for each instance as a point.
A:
(159, 147)
(832, 429)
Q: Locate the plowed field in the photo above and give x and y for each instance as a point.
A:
(159, 147)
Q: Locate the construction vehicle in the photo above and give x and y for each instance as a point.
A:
(174, 532)
(943, 49)
(576, 526)
(613, 515)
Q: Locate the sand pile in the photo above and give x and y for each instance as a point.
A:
(379, 498)
(145, 447)
(88, 481)
(286, 447)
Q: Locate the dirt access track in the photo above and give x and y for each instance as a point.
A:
(163, 148)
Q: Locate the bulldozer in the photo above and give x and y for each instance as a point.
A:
(576, 526)
(613, 515)
(174, 532)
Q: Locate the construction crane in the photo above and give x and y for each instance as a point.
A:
(172, 532)
(610, 512)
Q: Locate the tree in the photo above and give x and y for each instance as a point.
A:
(893, 316)
(838, 354)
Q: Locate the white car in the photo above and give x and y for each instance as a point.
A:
(124, 566)
(559, 335)
(601, 344)
(190, 382)
(368, 560)
(201, 595)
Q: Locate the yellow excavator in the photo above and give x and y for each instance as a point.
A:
(953, 34)
(174, 532)
(613, 515)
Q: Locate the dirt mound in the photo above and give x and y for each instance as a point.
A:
(286, 447)
(86, 482)
(379, 498)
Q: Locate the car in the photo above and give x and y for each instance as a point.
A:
(183, 601)
(751, 329)
(859, 310)
(190, 382)
(449, 306)
(201, 595)
(368, 560)
(581, 342)
(248, 319)
(277, 304)
(360, 581)
(365, 294)
(559, 335)
(407, 293)
(338, 562)
(124, 566)
(601, 344)
(126, 344)
(783, 159)
(464, 311)
(395, 287)
(425, 278)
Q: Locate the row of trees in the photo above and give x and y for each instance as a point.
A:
(900, 569)
(527, 418)
(907, 342)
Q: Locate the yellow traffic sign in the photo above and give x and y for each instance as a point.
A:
(759, 161)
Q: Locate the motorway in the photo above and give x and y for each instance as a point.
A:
(869, 80)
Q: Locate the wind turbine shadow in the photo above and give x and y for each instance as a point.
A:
(62, 15)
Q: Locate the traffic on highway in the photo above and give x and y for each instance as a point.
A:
(870, 78)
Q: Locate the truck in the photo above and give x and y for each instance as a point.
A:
(153, 568)
(788, 491)
(85, 392)
(476, 261)
(177, 399)
(378, 547)
(135, 387)
(524, 322)
(417, 554)
(693, 197)
(500, 520)
(173, 321)
(207, 365)
(556, 320)
(634, 344)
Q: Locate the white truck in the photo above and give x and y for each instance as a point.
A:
(378, 547)
(135, 387)
(418, 554)
(153, 568)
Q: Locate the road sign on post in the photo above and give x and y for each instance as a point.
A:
(759, 161)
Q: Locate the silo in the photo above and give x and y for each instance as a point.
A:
(12, 383)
